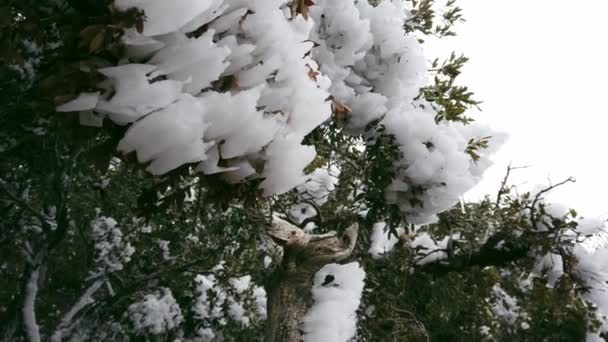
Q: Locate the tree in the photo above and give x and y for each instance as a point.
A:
(194, 171)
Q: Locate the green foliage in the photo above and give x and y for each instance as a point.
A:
(381, 153)
(450, 101)
(57, 176)
(474, 145)
(424, 18)
(495, 245)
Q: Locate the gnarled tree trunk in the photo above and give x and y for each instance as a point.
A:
(290, 292)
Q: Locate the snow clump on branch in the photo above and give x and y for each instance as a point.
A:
(235, 86)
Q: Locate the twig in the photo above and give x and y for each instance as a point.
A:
(316, 208)
(503, 184)
(538, 197)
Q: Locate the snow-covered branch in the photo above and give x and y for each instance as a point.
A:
(67, 320)
(32, 330)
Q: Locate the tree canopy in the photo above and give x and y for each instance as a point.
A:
(245, 170)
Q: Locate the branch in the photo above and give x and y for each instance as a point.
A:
(538, 198)
(44, 221)
(318, 218)
(487, 255)
(32, 330)
(287, 234)
(334, 249)
(83, 301)
(313, 248)
(503, 184)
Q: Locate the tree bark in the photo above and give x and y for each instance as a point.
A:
(290, 290)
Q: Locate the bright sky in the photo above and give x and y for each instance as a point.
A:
(541, 68)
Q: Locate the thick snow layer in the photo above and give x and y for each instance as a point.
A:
(236, 86)
(336, 294)
(165, 16)
(377, 71)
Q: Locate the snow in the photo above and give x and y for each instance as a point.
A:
(276, 86)
(29, 307)
(164, 247)
(505, 306)
(237, 312)
(84, 101)
(240, 299)
(202, 307)
(260, 299)
(112, 251)
(196, 62)
(84, 300)
(241, 284)
(206, 334)
(319, 184)
(163, 16)
(285, 160)
(550, 265)
(134, 95)
(593, 269)
(333, 317)
(140, 46)
(267, 261)
(156, 313)
(430, 249)
(377, 71)
(178, 131)
(381, 240)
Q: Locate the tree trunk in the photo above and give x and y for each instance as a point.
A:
(303, 255)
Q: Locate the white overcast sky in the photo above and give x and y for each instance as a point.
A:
(541, 69)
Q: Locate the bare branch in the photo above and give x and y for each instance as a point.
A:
(538, 197)
(503, 185)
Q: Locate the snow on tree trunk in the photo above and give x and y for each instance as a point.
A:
(290, 292)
